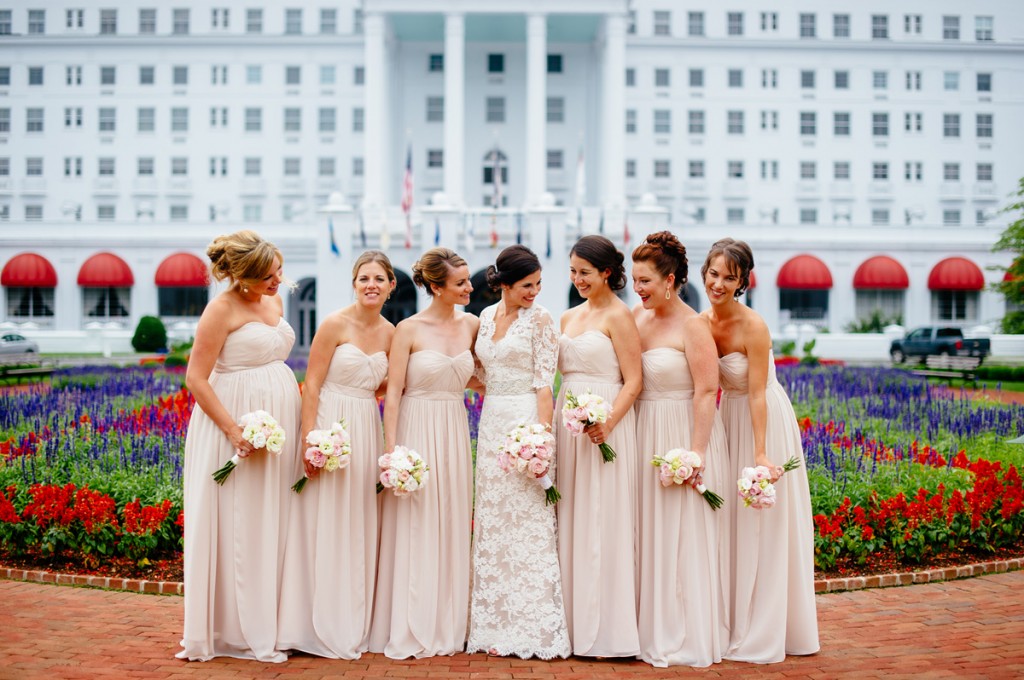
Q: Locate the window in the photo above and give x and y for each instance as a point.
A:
(880, 171)
(24, 301)
(913, 79)
(34, 213)
(253, 74)
(841, 170)
(328, 21)
(880, 26)
(5, 120)
(630, 168)
(219, 17)
(254, 21)
(735, 77)
(695, 24)
(253, 166)
(495, 110)
(661, 77)
(955, 305)
(181, 19)
(179, 167)
(734, 122)
(769, 78)
(253, 120)
(179, 119)
(808, 170)
(769, 170)
(34, 167)
(879, 217)
(983, 172)
(912, 24)
(982, 29)
(179, 213)
(293, 21)
(106, 302)
(951, 217)
(842, 80)
(357, 166)
(435, 63)
(696, 77)
(554, 63)
(292, 75)
(357, 20)
(36, 21)
(807, 79)
(735, 215)
(951, 125)
(219, 75)
(146, 121)
(435, 158)
(108, 75)
(74, 18)
(144, 167)
(218, 116)
(495, 63)
(147, 21)
(913, 121)
(435, 109)
(35, 75)
(73, 117)
(5, 76)
(73, 75)
(769, 120)
(327, 119)
(147, 75)
(808, 26)
(108, 119)
(950, 172)
(554, 159)
(695, 122)
(879, 124)
(5, 22)
(769, 21)
(662, 169)
(556, 110)
(108, 21)
(662, 23)
(840, 25)
(913, 171)
(180, 75)
(630, 121)
(808, 123)
(631, 22)
(358, 118)
(630, 77)
(72, 167)
(358, 75)
(105, 213)
(734, 23)
(983, 125)
(251, 212)
(808, 215)
(662, 121)
(695, 170)
(880, 80)
(325, 167)
(950, 28)
(292, 119)
(734, 169)
(328, 74)
(292, 167)
(984, 82)
(951, 81)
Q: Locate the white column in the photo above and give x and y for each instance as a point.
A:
(613, 168)
(536, 107)
(454, 107)
(374, 108)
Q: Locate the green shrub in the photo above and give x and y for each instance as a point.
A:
(875, 323)
(175, 360)
(150, 335)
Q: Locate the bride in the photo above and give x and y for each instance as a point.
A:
(516, 607)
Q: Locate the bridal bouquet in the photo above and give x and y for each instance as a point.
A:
(755, 485)
(587, 409)
(259, 429)
(528, 450)
(403, 471)
(328, 450)
(681, 466)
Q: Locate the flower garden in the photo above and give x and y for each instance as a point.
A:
(901, 473)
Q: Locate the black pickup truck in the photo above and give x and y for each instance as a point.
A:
(939, 341)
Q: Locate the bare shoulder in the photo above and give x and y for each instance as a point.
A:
(567, 316)
(471, 322)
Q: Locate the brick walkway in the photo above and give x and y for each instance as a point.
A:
(966, 628)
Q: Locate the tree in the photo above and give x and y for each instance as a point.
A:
(1012, 285)
(150, 335)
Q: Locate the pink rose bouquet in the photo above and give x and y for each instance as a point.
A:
(403, 471)
(580, 412)
(528, 450)
(682, 466)
(328, 450)
(260, 429)
(755, 485)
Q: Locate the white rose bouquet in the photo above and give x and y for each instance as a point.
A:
(260, 429)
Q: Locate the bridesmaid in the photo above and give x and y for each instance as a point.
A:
(422, 602)
(234, 534)
(599, 351)
(771, 554)
(681, 606)
(331, 557)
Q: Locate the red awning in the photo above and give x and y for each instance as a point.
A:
(805, 272)
(881, 271)
(753, 281)
(182, 270)
(105, 270)
(29, 270)
(956, 273)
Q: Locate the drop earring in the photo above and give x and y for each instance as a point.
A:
(668, 293)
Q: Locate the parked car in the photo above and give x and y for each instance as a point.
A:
(13, 343)
(940, 341)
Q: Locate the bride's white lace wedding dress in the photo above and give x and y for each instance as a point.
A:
(516, 608)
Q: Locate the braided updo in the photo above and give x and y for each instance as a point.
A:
(663, 251)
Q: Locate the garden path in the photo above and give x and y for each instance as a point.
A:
(965, 628)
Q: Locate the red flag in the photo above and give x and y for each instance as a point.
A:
(407, 196)
(625, 233)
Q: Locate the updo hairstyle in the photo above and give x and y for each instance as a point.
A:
(663, 251)
(242, 256)
(513, 264)
(600, 252)
(433, 267)
(740, 259)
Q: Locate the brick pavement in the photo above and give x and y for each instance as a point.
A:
(964, 628)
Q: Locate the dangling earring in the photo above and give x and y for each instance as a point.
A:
(668, 293)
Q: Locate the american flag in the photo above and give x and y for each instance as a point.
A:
(407, 195)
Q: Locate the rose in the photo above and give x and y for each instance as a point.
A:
(537, 467)
(384, 461)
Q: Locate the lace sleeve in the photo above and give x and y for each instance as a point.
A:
(544, 342)
(486, 330)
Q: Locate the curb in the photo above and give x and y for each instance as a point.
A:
(832, 585)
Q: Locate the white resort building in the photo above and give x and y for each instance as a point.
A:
(863, 149)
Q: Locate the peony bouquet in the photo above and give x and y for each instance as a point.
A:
(528, 450)
(755, 485)
(328, 450)
(580, 412)
(403, 471)
(682, 466)
(259, 429)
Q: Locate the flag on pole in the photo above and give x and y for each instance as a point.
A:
(625, 232)
(437, 232)
(600, 224)
(519, 227)
(407, 196)
(581, 191)
(330, 233)
(547, 249)
(362, 230)
(497, 197)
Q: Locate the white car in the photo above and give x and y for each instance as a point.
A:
(13, 343)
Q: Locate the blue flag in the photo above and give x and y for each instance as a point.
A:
(547, 251)
(334, 244)
(437, 232)
(519, 228)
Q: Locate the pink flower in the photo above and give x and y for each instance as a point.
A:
(384, 462)
(537, 467)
